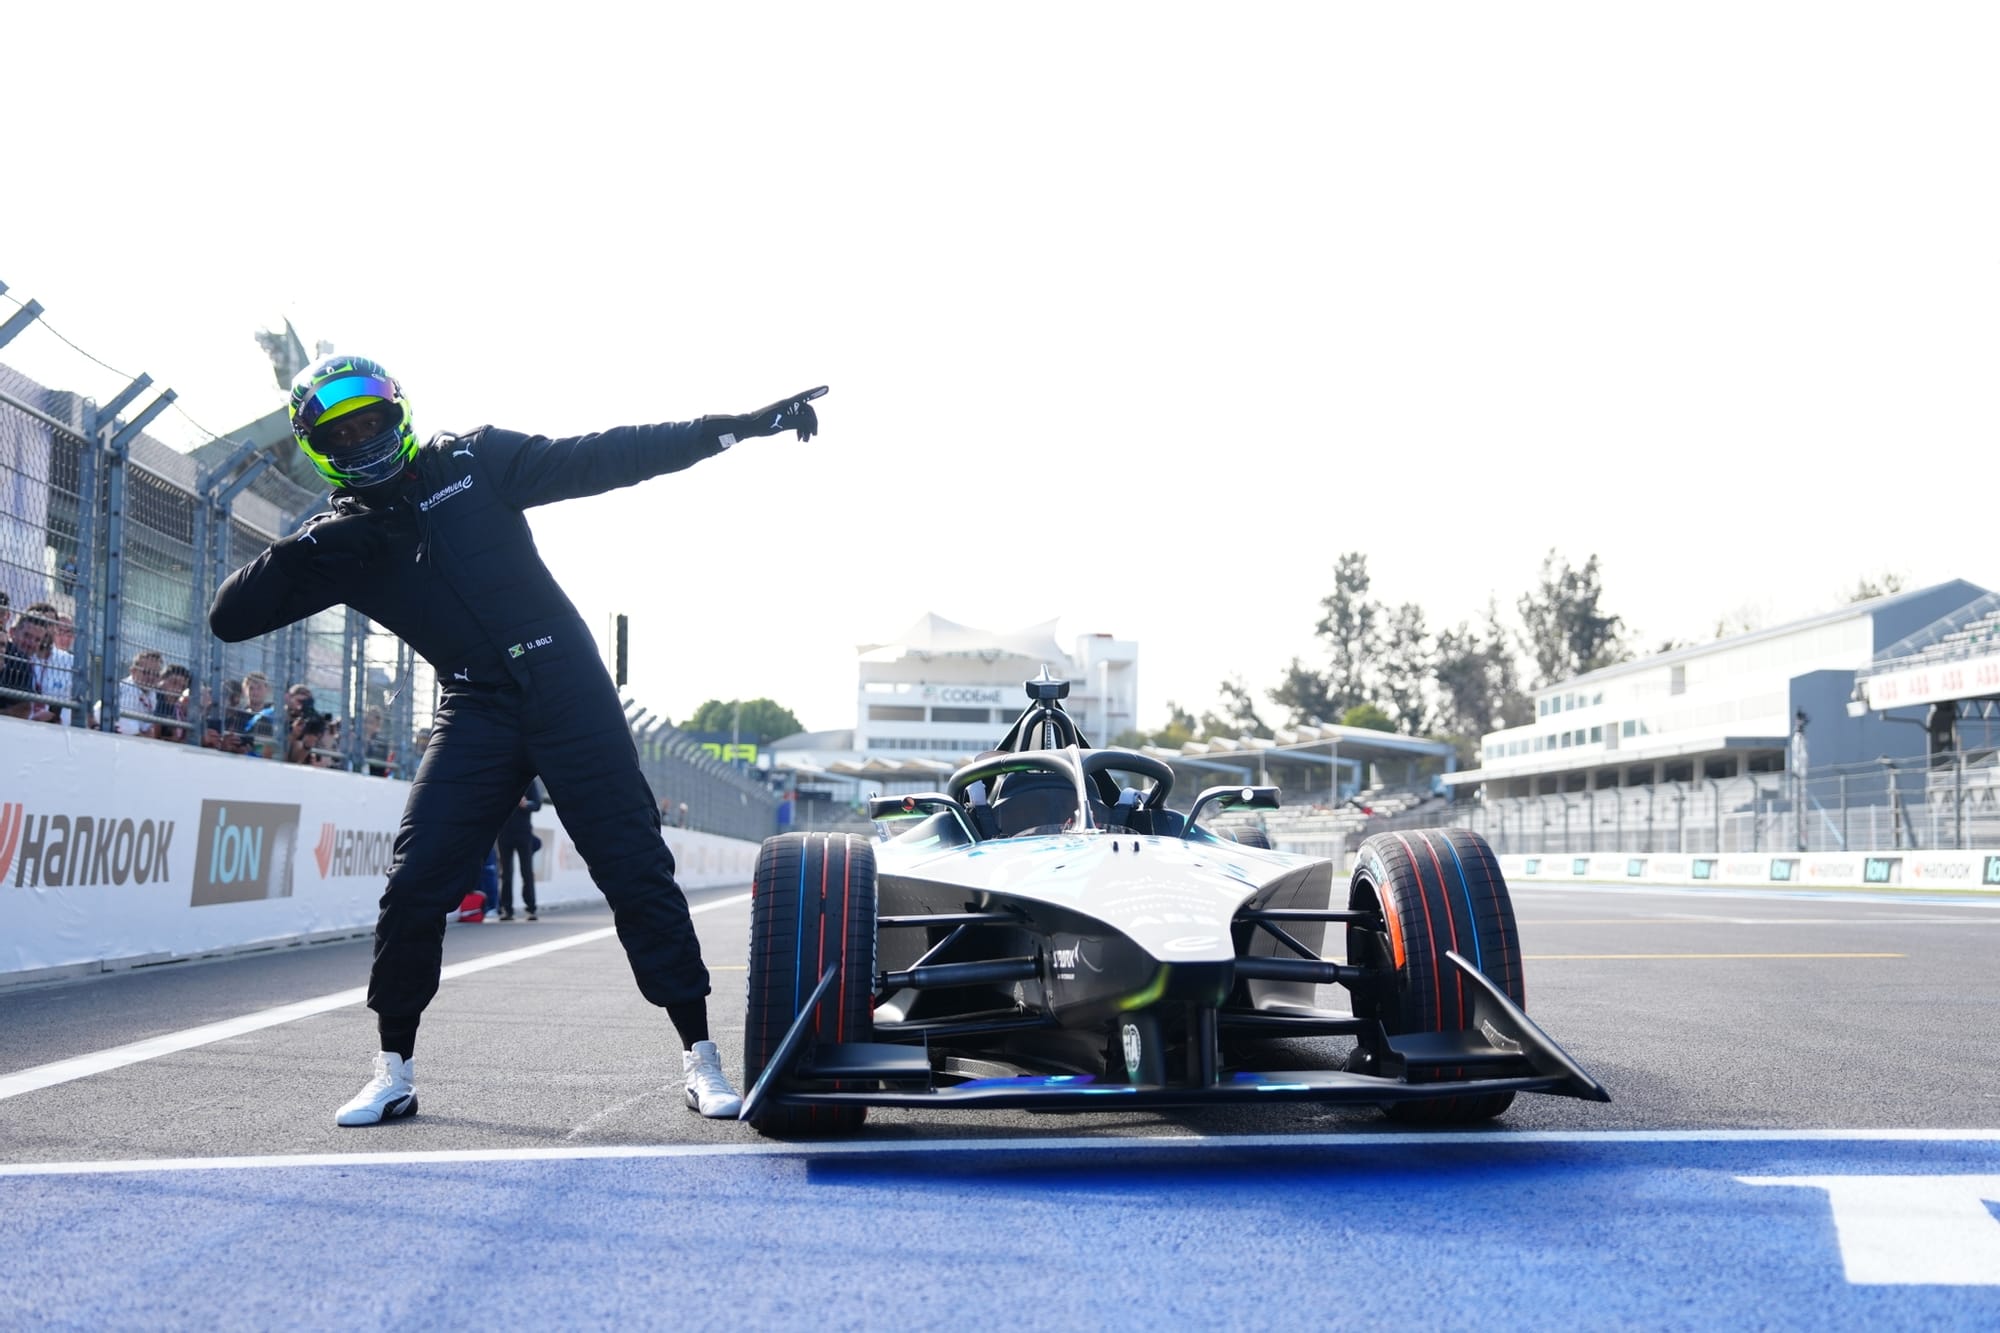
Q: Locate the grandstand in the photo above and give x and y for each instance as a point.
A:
(1954, 660)
(1789, 737)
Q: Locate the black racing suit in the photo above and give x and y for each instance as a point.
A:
(451, 567)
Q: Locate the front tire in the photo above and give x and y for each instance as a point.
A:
(1437, 890)
(812, 905)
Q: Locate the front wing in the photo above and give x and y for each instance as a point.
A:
(1503, 1051)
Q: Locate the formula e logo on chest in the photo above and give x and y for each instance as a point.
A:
(462, 484)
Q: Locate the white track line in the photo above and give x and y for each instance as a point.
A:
(83, 1066)
(1100, 1145)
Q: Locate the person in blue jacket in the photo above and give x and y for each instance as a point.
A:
(431, 541)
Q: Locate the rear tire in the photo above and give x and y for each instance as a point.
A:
(1254, 837)
(1438, 890)
(812, 906)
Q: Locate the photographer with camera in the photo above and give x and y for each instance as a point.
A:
(305, 725)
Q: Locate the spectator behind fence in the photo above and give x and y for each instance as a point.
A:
(137, 695)
(217, 731)
(305, 725)
(6, 609)
(253, 692)
(172, 702)
(25, 641)
(379, 758)
(57, 669)
(332, 749)
(304, 734)
(260, 723)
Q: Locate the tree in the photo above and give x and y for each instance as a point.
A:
(1478, 683)
(1882, 585)
(1239, 710)
(1565, 631)
(1745, 619)
(1407, 667)
(1370, 716)
(1350, 624)
(1180, 729)
(760, 722)
(1464, 676)
(1511, 706)
(1306, 695)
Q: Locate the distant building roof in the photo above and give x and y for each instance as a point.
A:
(815, 740)
(1868, 606)
(934, 636)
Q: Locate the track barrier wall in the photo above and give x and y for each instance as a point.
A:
(1970, 871)
(120, 852)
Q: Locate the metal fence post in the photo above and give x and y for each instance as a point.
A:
(85, 649)
(112, 602)
(1844, 843)
(1958, 798)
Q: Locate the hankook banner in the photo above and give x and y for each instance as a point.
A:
(117, 850)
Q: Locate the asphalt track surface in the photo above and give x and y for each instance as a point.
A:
(1805, 1132)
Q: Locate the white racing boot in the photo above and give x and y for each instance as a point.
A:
(708, 1089)
(391, 1093)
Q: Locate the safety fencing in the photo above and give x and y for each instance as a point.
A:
(118, 851)
(124, 542)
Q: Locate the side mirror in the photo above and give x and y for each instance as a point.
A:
(1233, 798)
(910, 807)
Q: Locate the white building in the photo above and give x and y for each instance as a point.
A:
(942, 692)
(945, 690)
(1717, 710)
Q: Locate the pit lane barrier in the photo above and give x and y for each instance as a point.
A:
(118, 852)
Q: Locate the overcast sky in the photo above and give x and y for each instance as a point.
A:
(1135, 315)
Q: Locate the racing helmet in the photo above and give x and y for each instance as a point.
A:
(330, 389)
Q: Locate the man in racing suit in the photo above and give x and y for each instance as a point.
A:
(431, 542)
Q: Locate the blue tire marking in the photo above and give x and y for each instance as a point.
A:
(1466, 889)
(799, 929)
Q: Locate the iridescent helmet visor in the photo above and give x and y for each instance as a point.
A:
(324, 403)
(377, 459)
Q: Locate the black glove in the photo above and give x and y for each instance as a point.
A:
(326, 543)
(794, 413)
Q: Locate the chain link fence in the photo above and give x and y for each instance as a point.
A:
(118, 543)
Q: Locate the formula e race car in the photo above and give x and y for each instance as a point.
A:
(1047, 933)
